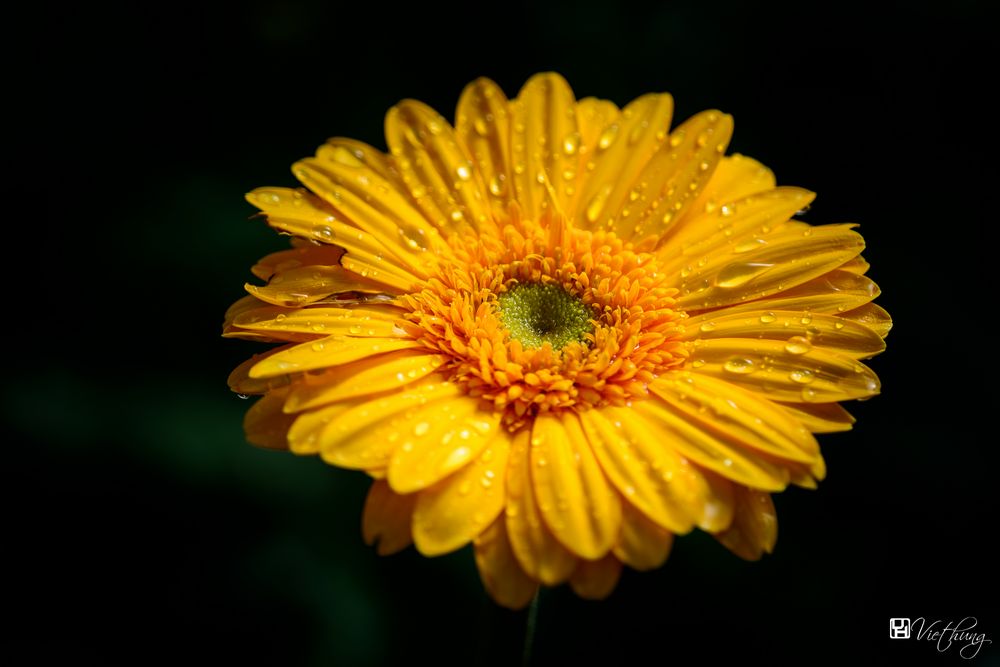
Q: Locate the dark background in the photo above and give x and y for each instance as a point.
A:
(154, 534)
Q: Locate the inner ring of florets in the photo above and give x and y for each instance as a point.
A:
(540, 313)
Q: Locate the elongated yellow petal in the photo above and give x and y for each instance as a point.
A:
(537, 550)
(323, 255)
(740, 418)
(801, 329)
(332, 350)
(360, 196)
(755, 526)
(304, 436)
(787, 258)
(502, 576)
(735, 177)
(595, 579)
(265, 424)
(366, 435)
(642, 545)
(712, 450)
(593, 116)
(577, 503)
(871, 316)
(483, 129)
(651, 476)
(385, 522)
(357, 321)
(732, 224)
(362, 378)
(544, 140)
(241, 382)
(440, 177)
(676, 175)
(454, 511)
(821, 417)
(834, 292)
(309, 284)
(439, 442)
(793, 375)
(621, 154)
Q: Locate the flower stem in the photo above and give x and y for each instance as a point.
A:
(529, 630)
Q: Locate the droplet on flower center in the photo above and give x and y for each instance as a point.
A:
(537, 313)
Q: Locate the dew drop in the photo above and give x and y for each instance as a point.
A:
(607, 137)
(242, 396)
(421, 428)
(498, 185)
(739, 366)
(706, 327)
(740, 273)
(797, 345)
(597, 203)
(464, 172)
(571, 143)
(767, 318)
(802, 376)
(323, 231)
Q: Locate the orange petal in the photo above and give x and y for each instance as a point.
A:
(536, 549)
(365, 322)
(735, 177)
(265, 424)
(440, 440)
(304, 437)
(872, 316)
(595, 579)
(322, 255)
(544, 143)
(440, 176)
(642, 545)
(309, 284)
(454, 511)
(502, 576)
(386, 519)
(368, 376)
(241, 382)
(755, 526)
(577, 503)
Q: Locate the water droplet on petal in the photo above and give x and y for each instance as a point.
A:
(802, 376)
(739, 365)
(797, 345)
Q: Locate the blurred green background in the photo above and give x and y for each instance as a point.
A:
(156, 535)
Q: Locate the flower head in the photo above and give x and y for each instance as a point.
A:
(558, 330)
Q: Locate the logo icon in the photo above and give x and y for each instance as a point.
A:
(899, 628)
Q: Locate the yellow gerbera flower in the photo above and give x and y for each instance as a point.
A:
(557, 330)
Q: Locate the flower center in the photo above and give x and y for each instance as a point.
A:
(539, 313)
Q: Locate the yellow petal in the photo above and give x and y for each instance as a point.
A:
(536, 549)
(595, 579)
(483, 129)
(440, 176)
(366, 435)
(712, 450)
(544, 143)
(755, 526)
(872, 316)
(362, 378)
(360, 321)
(740, 418)
(265, 424)
(386, 519)
(304, 437)
(801, 330)
(735, 177)
(650, 476)
(642, 545)
(364, 199)
(328, 351)
(769, 367)
(732, 223)
(621, 154)
(440, 440)
(309, 284)
(454, 511)
(502, 576)
(821, 417)
(322, 255)
(593, 116)
(576, 501)
(834, 292)
(241, 382)
(676, 176)
(857, 265)
(789, 257)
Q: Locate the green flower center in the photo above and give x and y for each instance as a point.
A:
(537, 313)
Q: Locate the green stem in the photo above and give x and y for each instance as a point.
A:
(529, 630)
